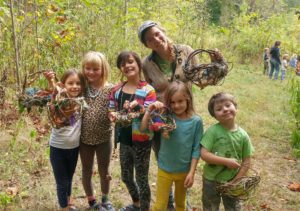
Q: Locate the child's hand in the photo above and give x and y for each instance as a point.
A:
(112, 116)
(126, 105)
(155, 106)
(133, 104)
(189, 180)
(232, 163)
(50, 76)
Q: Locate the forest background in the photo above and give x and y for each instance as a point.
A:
(39, 35)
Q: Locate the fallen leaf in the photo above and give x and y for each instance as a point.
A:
(64, 33)
(95, 172)
(61, 19)
(289, 159)
(294, 186)
(265, 206)
(54, 8)
(12, 191)
(37, 173)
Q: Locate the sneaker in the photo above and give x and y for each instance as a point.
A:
(170, 207)
(130, 207)
(73, 208)
(188, 207)
(97, 207)
(108, 206)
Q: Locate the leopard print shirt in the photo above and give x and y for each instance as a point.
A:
(96, 127)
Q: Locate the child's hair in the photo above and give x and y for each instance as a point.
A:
(217, 98)
(266, 49)
(124, 56)
(70, 72)
(179, 86)
(97, 59)
(298, 58)
(285, 56)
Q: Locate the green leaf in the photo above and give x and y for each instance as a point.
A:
(5, 199)
(21, 108)
(33, 134)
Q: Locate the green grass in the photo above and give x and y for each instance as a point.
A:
(263, 111)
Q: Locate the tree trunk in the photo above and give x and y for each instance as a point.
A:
(36, 33)
(15, 45)
(125, 22)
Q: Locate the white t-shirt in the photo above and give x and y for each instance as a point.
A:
(284, 64)
(66, 137)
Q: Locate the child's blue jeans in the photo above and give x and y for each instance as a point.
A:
(64, 163)
(283, 72)
(211, 199)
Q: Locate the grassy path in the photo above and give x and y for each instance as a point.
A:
(263, 113)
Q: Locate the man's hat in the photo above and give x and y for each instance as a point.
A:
(143, 28)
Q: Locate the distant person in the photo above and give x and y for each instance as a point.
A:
(293, 61)
(284, 66)
(275, 60)
(226, 148)
(298, 66)
(266, 58)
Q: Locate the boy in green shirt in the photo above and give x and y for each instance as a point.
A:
(226, 149)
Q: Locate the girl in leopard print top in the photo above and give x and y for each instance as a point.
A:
(96, 130)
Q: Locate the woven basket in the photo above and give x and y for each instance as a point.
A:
(242, 188)
(204, 75)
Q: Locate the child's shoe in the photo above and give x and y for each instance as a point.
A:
(170, 207)
(72, 207)
(105, 203)
(130, 207)
(108, 206)
(97, 207)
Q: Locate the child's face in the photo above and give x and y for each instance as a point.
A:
(225, 111)
(73, 85)
(130, 68)
(179, 104)
(92, 73)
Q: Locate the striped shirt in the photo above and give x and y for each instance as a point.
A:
(144, 95)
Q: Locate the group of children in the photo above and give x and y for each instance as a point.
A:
(293, 62)
(225, 147)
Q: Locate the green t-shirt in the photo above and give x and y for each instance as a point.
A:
(225, 143)
(164, 66)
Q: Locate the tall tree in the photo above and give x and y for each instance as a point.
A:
(16, 49)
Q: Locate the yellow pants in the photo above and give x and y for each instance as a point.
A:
(164, 184)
